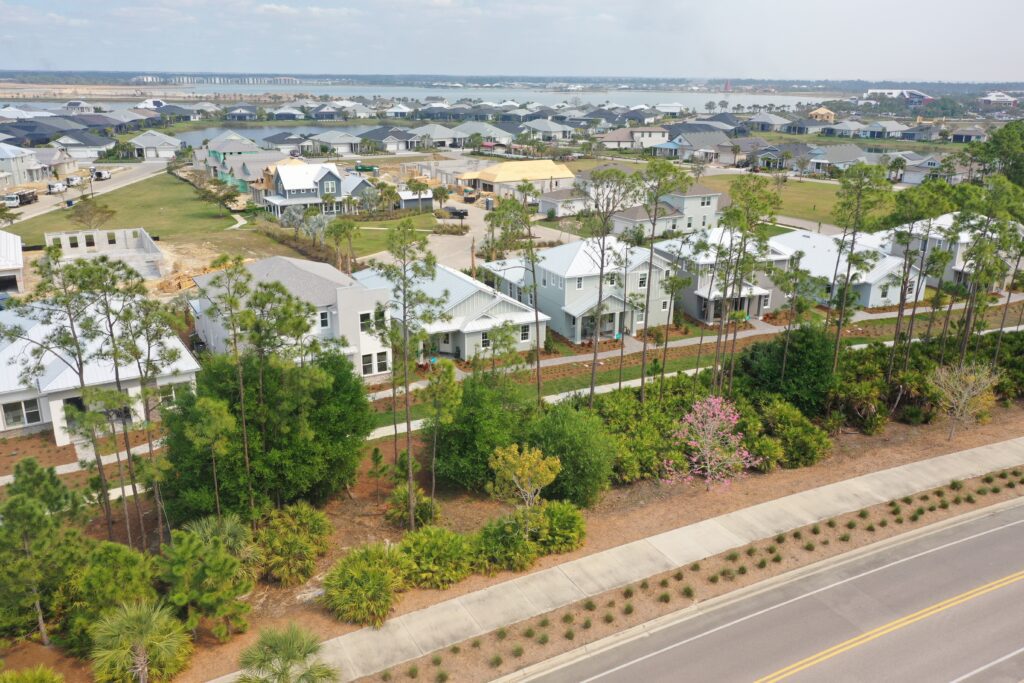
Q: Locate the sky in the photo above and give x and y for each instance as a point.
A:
(787, 39)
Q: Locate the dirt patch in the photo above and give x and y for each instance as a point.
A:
(514, 647)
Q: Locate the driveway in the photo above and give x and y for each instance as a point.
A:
(120, 176)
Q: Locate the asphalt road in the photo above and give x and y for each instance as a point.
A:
(941, 607)
(131, 173)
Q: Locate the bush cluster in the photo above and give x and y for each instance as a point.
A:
(291, 541)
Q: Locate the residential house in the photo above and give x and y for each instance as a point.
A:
(488, 132)
(171, 113)
(241, 171)
(914, 98)
(502, 179)
(567, 291)
(286, 114)
(439, 136)
(345, 310)
(288, 142)
(340, 142)
(471, 312)
(12, 265)
(22, 164)
(805, 127)
(767, 122)
(398, 111)
(156, 145)
(152, 103)
(699, 207)
(838, 157)
(998, 99)
(685, 146)
(359, 111)
(969, 134)
(844, 129)
(83, 146)
(391, 140)
(872, 286)
(40, 405)
(639, 137)
(58, 162)
(327, 112)
(227, 144)
(702, 299)
(546, 130)
(78, 107)
(305, 186)
(883, 129)
(738, 151)
(419, 201)
(931, 166)
(241, 112)
(128, 119)
(786, 155)
(823, 115)
(565, 202)
(924, 132)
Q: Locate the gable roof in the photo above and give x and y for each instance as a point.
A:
(582, 257)
(304, 177)
(154, 138)
(516, 171)
(312, 281)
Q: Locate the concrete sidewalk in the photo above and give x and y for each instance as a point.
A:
(412, 635)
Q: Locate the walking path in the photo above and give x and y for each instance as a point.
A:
(412, 635)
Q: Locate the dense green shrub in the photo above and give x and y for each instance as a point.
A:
(439, 557)
(503, 543)
(808, 378)
(645, 434)
(490, 415)
(397, 512)
(584, 447)
(110, 574)
(561, 528)
(361, 586)
(37, 674)
(802, 442)
(291, 540)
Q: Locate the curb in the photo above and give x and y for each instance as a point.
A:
(697, 609)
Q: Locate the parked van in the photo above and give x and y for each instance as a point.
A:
(73, 180)
(56, 188)
(101, 175)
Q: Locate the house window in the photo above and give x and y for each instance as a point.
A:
(573, 318)
(325, 318)
(329, 187)
(111, 238)
(689, 221)
(90, 241)
(579, 283)
(524, 333)
(446, 339)
(529, 299)
(485, 341)
(705, 201)
(664, 304)
(365, 322)
(910, 287)
(885, 291)
(703, 220)
(367, 363)
(170, 392)
(543, 278)
(382, 361)
(639, 316)
(73, 242)
(22, 413)
(642, 281)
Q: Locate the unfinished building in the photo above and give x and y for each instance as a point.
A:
(134, 246)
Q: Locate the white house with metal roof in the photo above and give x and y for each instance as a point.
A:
(156, 145)
(36, 404)
(345, 309)
(567, 290)
(699, 207)
(12, 265)
(472, 312)
(22, 164)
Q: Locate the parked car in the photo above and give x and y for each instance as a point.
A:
(56, 188)
(101, 175)
(73, 180)
(455, 212)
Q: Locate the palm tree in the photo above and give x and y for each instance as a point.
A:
(389, 197)
(138, 641)
(288, 655)
(285, 656)
(343, 230)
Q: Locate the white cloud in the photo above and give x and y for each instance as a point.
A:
(276, 9)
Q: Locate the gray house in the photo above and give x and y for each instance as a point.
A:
(472, 312)
(568, 288)
(702, 298)
(304, 185)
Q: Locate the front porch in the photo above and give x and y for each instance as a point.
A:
(753, 302)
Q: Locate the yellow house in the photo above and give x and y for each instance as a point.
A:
(502, 178)
(822, 114)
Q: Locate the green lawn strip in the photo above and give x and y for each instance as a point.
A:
(807, 200)
(164, 205)
(374, 241)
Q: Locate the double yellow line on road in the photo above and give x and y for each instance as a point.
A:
(895, 625)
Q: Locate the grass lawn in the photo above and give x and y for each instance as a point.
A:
(374, 239)
(773, 230)
(807, 200)
(163, 205)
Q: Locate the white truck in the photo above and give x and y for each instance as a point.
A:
(56, 188)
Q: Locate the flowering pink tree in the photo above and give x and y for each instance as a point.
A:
(715, 449)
